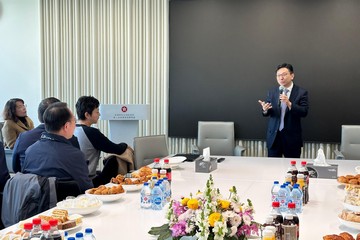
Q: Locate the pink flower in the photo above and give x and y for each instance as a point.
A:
(178, 229)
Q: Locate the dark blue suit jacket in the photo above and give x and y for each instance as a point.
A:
(4, 172)
(292, 121)
(25, 140)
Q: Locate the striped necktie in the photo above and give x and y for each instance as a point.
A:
(283, 110)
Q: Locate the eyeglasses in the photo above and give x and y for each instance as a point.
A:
(282, 75)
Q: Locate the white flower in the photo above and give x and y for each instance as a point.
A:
(247, 219)
(219, 230)
(233, 230)
(235, 220)
(236, 207)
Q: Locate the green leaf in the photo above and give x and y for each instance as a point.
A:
(165, 236)
(159, 230)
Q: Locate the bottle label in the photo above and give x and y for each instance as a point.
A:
(157, 200)
(289, 232)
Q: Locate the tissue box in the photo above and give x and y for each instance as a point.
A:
(330, 172)
(205, 167)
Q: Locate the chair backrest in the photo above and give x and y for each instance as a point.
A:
(1, 136)
(149, 147)
(219, 136)
(350, 141)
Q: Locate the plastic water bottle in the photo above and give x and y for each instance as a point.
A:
(145, 201)
(293, 170)
(288, 188)
(167, 189)
(291, 223)
(27, 234)
(296, 197)
(89, 234)
(274, 191)
(157, 166)
(156, 197)
(45, 235)
(277, 219)
(167, 167)
(304, 170)
(54, 231)
(160, 181)
(79, 236)
(282, 198)
(36, 230)
(268, 234)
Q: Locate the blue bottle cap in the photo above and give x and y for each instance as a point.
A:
(79, 234)
(88, 230)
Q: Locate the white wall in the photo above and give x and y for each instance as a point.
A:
(20, 69)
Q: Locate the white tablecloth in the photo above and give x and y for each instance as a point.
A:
(253, 178)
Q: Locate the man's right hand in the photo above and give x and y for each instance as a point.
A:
(265, 105)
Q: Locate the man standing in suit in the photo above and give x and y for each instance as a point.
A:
(285, 105)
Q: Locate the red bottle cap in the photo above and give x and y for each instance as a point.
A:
(293, 162)
(53, 222)
(275, 204)
(291, 205)
(303, 163)
(36, 221)
(28, 226)
(45, 227)
(157, 160)
(166, 160)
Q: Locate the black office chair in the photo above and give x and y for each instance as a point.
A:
(65, 188)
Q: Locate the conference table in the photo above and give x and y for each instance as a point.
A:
(252, 176)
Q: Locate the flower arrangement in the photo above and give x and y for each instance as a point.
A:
(208, 215)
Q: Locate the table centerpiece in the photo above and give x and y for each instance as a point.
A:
(208, 215)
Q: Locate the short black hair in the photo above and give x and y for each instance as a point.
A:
(86, 104)
(285, 65)
(56, 116)
(10, 109)
(44, 104)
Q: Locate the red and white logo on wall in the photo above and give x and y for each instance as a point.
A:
(124, 109)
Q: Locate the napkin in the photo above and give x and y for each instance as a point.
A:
(320, 160)
(206, 154)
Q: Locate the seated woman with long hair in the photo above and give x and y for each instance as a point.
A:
(16, 121)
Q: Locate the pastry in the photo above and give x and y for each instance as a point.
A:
(346, 236)
(60, 214)
(67, 225)
(332, 237)
(342, 179)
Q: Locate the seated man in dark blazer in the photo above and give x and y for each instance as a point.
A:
(28, 138)
(54, 155)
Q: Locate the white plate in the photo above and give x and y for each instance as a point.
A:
(175, 161)
(132, 187)
(351, 207)
(353, 225)
(108, 197)
(79, 210)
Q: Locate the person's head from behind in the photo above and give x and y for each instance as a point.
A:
(285, 74)
(59, 120)
(87, 109)
(44, 104)
(14, 108)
